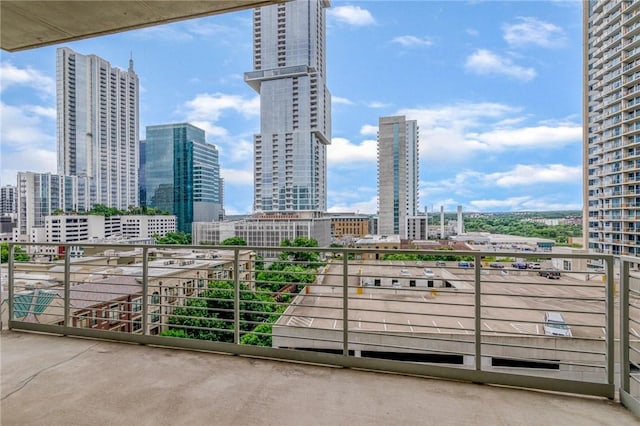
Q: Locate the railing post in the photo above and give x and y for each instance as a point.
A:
(624, 326)
(610, 324)
(145, 291)
(10, 278)
(345, 303)
(67, 286)
(236, 295)
(478, 314)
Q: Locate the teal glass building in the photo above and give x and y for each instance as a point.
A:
(180, 174)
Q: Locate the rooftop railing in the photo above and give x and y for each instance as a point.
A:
(523, 318)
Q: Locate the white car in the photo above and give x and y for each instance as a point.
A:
(404, 272)
(555, 325)
(428, 272)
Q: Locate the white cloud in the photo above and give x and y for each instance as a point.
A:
(342, 101)
(472, 32)
(28, 140)
(365, 207)
(378, 104)
(460, 114)
(533, 31)
(237, 176)
(466, 183)
(369, 130)
(242, 150)
(534, 174)
(484, 62)
(211, 106)
(412, 41)
(10, 75)
(24, 125)
(351, 15)
(343, 151)
(537, 136)
(211, 130)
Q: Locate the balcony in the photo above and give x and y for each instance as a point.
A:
(152, 385)
(336, 307)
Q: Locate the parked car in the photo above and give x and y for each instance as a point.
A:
(519, 265)
(552, 275)
(428, 272)
(533, 265)
(496, 265)
(441, 264)
(555, 325)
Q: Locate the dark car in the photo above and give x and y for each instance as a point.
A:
(519, 265)
(496, 265)
(552, 275)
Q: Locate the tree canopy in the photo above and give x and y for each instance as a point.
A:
(183, 238)
(233, 241)
(19, 255)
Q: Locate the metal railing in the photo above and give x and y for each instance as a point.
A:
(629, 334)
(481, 316)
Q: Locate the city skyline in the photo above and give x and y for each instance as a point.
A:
(497, 94)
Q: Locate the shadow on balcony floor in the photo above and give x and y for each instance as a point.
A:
(70, 381)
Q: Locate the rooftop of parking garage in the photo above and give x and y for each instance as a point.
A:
(522, 295)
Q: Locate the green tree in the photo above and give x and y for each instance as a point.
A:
(261, 336)
(182, 238)
(233, 241)
(102, 210)
(19, 255)
(306, 259)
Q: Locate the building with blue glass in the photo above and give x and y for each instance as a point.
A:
(181, 174)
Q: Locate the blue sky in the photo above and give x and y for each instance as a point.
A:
(495, 87)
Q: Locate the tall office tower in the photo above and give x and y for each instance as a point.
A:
(42, 194)
(398, 174)
(182, 174)
(97, 126)
(290, 153)
(8, 203)
(611, 117)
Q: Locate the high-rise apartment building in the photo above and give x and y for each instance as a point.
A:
(8, 200)
(182, 174)
(611, 117)
(97, 126)
(289, 62)
(41, 194)
(398, 174)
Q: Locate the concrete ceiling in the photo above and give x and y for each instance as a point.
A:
(28, 24)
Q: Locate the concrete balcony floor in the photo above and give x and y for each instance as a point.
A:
(53, 380)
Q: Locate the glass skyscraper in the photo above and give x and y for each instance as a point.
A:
(97, 126)
(181, 174)
(398, 174)
(295, 106)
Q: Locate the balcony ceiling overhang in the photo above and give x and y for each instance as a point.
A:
(31, 24)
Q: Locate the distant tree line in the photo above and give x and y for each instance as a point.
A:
(515, 225)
